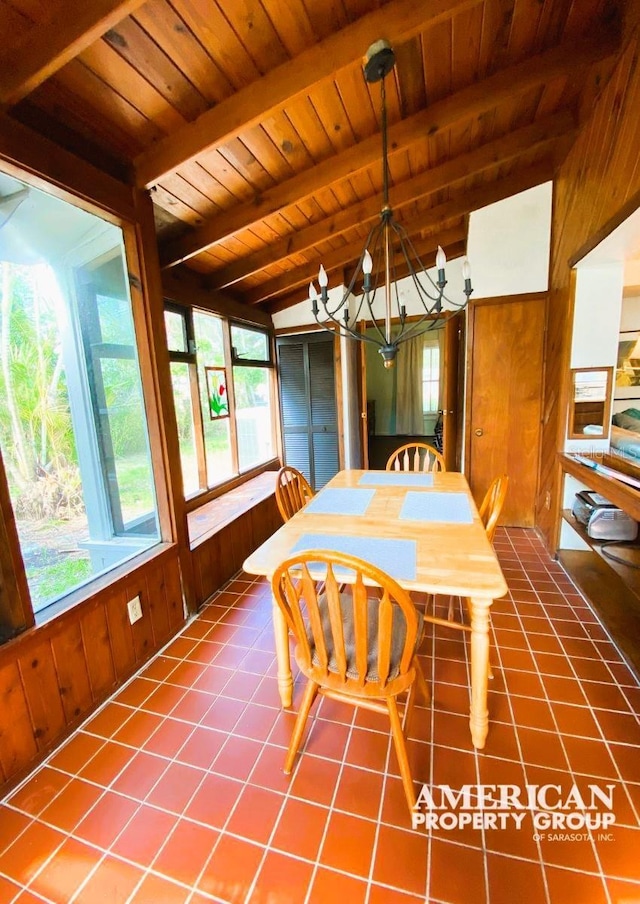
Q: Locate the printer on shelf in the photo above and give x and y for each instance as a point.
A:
(603, 520)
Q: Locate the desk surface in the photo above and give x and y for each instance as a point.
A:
(451, 558)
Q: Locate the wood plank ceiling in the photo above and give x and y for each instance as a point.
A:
(251, 124)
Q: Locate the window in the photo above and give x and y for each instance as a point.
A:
(73, 430)
(431, 376)
(222, 376)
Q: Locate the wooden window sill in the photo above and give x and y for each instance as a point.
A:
(211, 517)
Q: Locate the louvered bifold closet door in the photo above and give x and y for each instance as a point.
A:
(324, 415)
(308, 406)
(294, 405)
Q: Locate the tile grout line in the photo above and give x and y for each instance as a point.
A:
(566, 756)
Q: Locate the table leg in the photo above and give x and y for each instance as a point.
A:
(285, 681)
(479, 719)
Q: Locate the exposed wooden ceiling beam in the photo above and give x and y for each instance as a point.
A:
(466, 104)
(395, 21)
(23, 150)
(184, 287)
(74, 25)
(345, 257)
(458, 206)
(488, 155)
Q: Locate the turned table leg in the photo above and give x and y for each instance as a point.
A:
(285, 680)
(479, 718)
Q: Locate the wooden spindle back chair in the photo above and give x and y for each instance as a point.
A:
(492, 504)
(292, 491)
(416, 457)
(357, 645)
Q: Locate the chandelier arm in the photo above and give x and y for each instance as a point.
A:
(358, 269)
(441, 294)
(416, 329)
(365, 298)
(375, 240)
(331, 312)
(459, 306)
(409, 251)
(429, 303)
(346, 332)
(400, 309)
(343, 330)
(376, 326)
(330, 319)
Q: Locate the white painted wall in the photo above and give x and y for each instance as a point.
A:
(297, 315)
(632, 272)
(508, 244)
(596, 319)
(596, 324)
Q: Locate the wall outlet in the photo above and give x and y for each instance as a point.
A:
(134, 607)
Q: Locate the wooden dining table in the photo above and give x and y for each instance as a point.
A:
(422, 529)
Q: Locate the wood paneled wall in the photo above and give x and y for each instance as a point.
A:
(217, 557)
(53, 676)
(596, 188)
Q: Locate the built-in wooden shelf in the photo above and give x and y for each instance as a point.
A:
(612, 587)
(621, 494)
(630, 551)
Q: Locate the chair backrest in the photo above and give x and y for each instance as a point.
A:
(492, 504)
(360, 641)
(292, 491)
(416, 457)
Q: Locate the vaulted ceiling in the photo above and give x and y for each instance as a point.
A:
(252, 125)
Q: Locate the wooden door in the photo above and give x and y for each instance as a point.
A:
(308, 406)
(451, 409)
(504, 400)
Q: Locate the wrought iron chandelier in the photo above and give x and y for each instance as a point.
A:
(376, 265)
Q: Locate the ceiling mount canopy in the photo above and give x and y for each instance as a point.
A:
(387, 243)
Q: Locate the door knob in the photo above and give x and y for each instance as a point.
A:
(479, 431)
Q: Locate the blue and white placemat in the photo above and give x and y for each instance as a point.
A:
(396, 557)
(450, 508)
(336, 501)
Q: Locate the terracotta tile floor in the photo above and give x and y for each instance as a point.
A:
(174, 792)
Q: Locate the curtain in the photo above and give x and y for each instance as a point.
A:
(409, 418)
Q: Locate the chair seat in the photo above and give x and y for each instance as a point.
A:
(398, 633)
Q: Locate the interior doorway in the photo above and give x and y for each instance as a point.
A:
(418, 399)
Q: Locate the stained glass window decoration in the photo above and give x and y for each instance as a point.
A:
(217, 392)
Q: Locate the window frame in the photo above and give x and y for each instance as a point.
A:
(231, 361)
(429, 345)
(113, 206)
(236, 360)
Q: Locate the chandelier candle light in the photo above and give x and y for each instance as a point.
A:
(384, 237)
